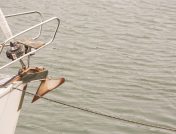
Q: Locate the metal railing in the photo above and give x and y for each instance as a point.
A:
(33, 51)
(27, 13)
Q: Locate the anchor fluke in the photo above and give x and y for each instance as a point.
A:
(46, 86)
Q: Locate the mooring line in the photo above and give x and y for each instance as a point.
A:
(102, 114)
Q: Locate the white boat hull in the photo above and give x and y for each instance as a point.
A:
(9, 113)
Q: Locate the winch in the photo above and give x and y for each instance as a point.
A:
(15, 50)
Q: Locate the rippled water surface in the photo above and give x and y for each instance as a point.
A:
(118, 57)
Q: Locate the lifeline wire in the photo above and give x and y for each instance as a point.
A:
(102, 114)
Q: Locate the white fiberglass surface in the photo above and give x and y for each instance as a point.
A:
(9, 113)
(4, 78)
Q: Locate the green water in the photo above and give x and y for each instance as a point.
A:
(118, 57)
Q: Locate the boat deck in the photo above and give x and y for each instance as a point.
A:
(4, 78)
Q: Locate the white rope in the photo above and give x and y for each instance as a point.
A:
(4, 26)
